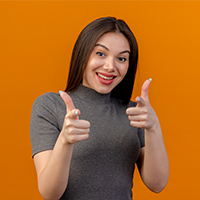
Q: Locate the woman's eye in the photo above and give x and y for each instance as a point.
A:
(100, 54)
(122, 59)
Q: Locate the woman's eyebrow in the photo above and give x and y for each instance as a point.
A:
(101, 45)
(127, 51)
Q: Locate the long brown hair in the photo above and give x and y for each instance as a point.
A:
(84, 46)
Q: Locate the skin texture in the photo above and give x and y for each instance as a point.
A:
(110, 57)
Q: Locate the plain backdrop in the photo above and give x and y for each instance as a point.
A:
(36, 41)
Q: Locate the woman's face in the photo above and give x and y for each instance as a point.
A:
(108, 63)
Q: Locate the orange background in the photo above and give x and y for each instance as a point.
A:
(36, 40)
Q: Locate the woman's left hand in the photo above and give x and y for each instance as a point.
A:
(143, 116)
(153, 162)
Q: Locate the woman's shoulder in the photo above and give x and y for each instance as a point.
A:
(49, 105)
(48, 99)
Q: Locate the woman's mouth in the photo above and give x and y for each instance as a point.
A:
(105, 79)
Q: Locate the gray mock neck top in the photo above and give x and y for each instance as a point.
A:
(102, 166)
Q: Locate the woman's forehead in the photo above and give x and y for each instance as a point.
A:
(112, 41)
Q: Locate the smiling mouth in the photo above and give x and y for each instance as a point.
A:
(106, 77)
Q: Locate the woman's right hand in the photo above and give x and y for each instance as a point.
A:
(55, 163)
(74, 129)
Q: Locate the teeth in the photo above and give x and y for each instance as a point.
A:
(105, 77)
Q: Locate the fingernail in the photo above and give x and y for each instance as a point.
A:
(138, 99)
(76, 112)
(150, 79)
(60, 91)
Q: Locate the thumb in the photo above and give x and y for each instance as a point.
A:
(145, 88)
(68, 101)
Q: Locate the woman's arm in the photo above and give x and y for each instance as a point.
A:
(53, 166)
(153, 161)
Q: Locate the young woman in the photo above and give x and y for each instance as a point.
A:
(87, 140)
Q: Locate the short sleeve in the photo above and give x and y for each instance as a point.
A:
(44, 129)
(141, 137)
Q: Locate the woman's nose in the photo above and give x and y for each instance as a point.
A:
(109, 65)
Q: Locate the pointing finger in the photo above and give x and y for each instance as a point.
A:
(68, 101)
(145, 87)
